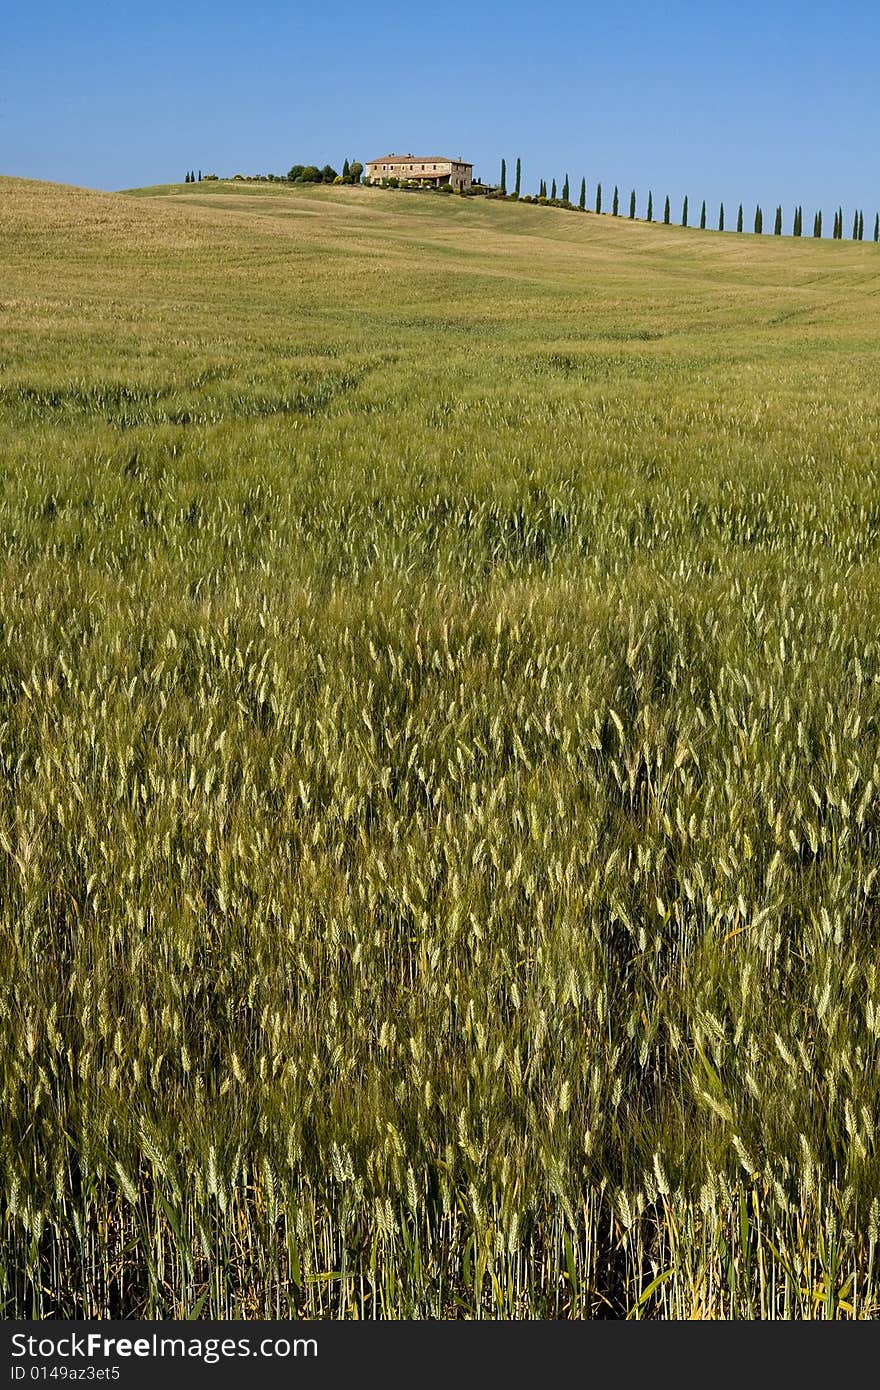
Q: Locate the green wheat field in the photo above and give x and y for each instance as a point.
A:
(439, 761)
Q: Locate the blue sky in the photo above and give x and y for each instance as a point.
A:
(770, 102)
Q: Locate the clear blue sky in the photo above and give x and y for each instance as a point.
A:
(752, 100)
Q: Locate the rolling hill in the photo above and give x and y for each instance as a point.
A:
(439, 790)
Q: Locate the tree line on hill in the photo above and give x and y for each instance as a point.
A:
(352, 172)
(300, 173)
(564, 200)
(310, 173)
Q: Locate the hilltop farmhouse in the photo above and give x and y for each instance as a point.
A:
(433, 169)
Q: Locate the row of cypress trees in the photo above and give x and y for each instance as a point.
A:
(797, 227)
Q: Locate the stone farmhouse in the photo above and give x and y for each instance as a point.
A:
(433, 169)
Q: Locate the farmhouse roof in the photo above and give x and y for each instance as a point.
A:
(418, 159)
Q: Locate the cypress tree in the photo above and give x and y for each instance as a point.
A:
(861, 226)
(877, 227)
(666, 211)
(565, 190)
(777, 225)
(739, 219)
(200, 176)
(650, 217)
(817, 224)
(346, 171)
(684, 212)
(840, 224)
(186, 180)
(503, 176)
(721, 218)
(553, 189)
(855, 235)
(598, 197)
(703, 216)
(518, 177)
(542, 192)
(759, 221)
(582, 200)
(615, 203)
(632, 206)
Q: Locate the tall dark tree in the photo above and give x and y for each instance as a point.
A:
(796, 224)
(598, 197)
(739, 219)
(703, 216)
(684, 212)
(553, 189)
(565, 190)
(503, 176)
(855, 235)
(817, 224)
(200, 176)
(582, 200)
(650, 215)
(615, 203)
(840, 224)
(759, 220)
(861, 226)
(777, 225)
(186, 180)
(518, 176)
(721, 218)
(877, 227)
(667, 211)
(346, 170)
(542, 189)
(632, 206)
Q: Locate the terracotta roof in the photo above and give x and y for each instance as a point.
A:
(418, 159)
